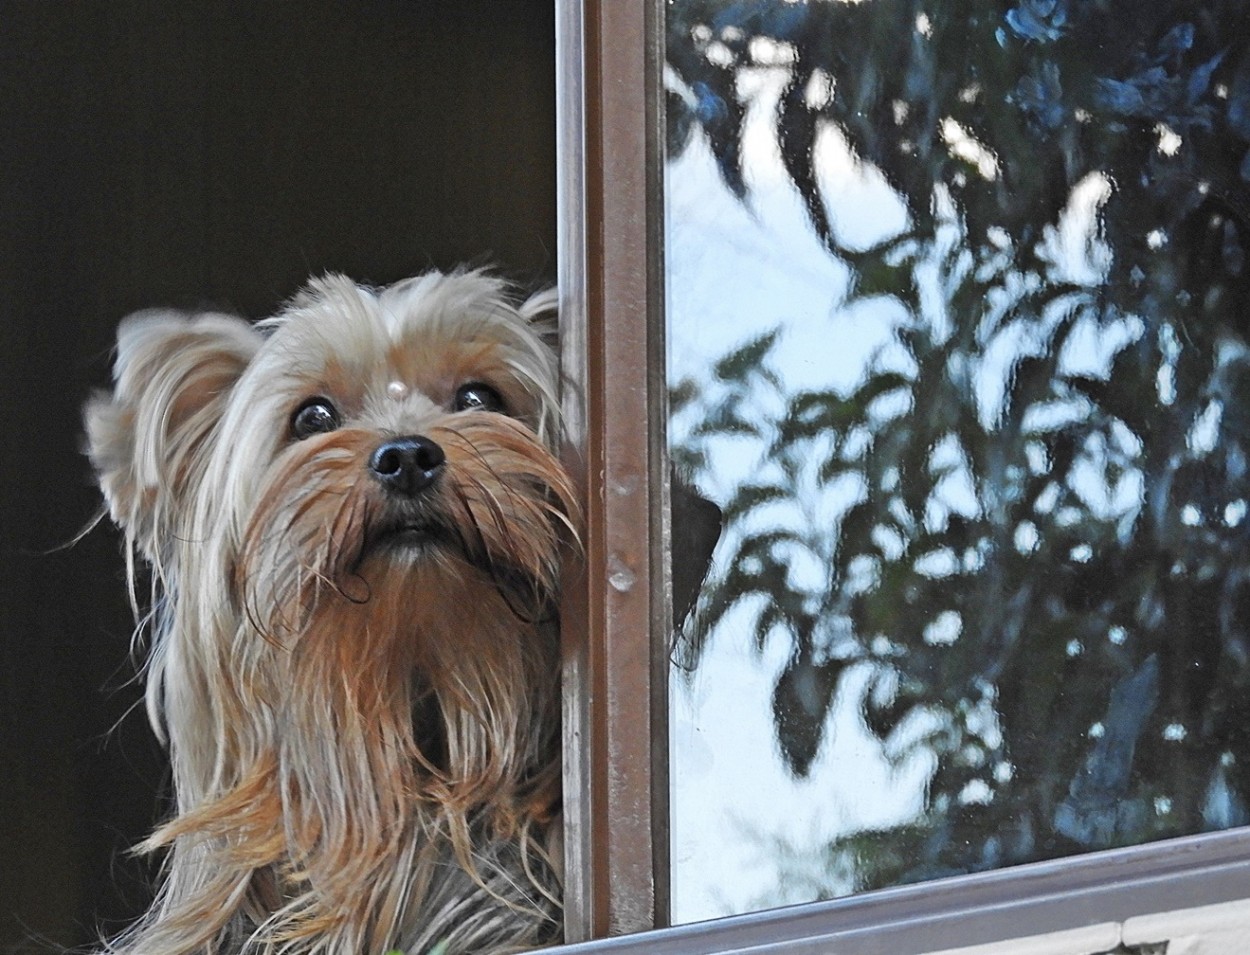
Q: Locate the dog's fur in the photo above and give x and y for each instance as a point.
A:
(358, 684)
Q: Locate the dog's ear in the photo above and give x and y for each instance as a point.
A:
(148, 438)
(540, 311)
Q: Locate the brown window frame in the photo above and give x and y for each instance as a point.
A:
(616, 605)
(616, 783)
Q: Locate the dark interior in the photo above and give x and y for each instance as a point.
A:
(192, 154)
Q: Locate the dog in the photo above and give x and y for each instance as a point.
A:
(353, 520)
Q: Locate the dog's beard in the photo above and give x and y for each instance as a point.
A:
(322, 528)
(387, 691)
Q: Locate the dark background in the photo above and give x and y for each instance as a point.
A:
(192, 154)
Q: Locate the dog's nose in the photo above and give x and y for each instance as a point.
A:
(407, 465)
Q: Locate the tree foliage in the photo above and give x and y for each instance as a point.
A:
(1044, 565)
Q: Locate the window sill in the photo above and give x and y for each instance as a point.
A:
(1151, 891)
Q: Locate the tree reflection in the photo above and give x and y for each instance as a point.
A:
(1041, 547)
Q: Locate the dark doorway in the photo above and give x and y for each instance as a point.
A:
(189, 154)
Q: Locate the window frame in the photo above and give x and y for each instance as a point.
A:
(1099, 888)
(609, 277)
(616, 608)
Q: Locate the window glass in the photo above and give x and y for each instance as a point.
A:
(959, 389)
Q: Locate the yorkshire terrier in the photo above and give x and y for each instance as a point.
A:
(354, 520)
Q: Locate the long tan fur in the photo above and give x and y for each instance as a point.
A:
(364, 737)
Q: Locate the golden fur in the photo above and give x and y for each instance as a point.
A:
(363, 729)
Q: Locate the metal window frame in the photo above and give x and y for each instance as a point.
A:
(615, 611)
(609, 276)
(987, 908)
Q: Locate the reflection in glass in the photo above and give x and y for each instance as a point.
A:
(958, 345)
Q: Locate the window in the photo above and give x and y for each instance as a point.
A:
(1018, 574)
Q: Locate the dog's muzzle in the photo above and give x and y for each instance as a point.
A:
(407, 466)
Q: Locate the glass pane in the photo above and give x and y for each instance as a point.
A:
(957, 324)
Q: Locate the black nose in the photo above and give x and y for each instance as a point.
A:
(407, 465)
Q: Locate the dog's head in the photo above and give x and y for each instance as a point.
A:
(356, 436)
(354, 517)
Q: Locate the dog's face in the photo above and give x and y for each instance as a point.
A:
(406, 443)
(356, 437)
(355, 519)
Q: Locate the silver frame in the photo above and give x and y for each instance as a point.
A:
(985, 908)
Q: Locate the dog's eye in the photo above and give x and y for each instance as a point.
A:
(314, 416)
(476, 396)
